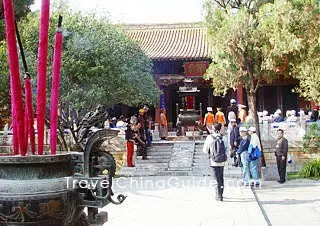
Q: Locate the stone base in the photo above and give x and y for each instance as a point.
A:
(185, 138)
(270, 173)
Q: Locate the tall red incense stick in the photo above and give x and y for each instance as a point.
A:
(15, 132)
(16, 95)
(42, 72)
(55, 88)
(29, 115)
(28, 121)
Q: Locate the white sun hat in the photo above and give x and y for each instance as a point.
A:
(243, 129)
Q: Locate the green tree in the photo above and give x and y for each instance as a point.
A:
(21, 8)
(100, 64)
(254, 42)
(4, 84)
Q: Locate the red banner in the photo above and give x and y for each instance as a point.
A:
(196, 68)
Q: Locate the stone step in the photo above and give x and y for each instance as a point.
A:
(172, 169)
(200, 155)
(200, 161)
(139, 173)
(159, 150)
(159, 153)
(159, 157)
(142, 169)
(140, 161)
(161, 146)
(156, 173)
(197, 164)
(148, 166)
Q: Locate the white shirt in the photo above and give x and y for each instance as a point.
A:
(208, 146)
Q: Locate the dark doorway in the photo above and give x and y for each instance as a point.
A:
(289, 98)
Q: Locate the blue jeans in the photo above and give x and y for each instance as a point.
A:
(245, 167)
(249, 167)
(254, 169)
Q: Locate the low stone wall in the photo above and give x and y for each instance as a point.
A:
(299, 157)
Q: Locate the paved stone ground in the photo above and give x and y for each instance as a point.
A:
(183, 201)
(189, 201)
(294, 203)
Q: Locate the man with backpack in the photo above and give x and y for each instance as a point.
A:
(214, 146)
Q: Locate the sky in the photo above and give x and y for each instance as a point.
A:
(140, 11)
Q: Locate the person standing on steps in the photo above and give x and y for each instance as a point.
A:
(281, 155)
(141, 142)
(209, 120)
(234, 142)
(163, 124)
(146, 125)
(130, 137)
(214, 146)
(220, 118)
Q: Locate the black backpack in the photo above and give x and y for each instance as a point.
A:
(219, 150)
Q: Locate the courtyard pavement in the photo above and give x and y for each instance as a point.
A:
(295, 203)
(189, 201)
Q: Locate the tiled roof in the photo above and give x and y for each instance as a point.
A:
(171, 41)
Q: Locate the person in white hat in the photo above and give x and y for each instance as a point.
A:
(232, 110)
(242, 113)
(243, 152)
(254, 146)
(277, 116)
(292, 117)
(209, 120)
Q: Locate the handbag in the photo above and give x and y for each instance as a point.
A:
(254, 153)
(289, 159)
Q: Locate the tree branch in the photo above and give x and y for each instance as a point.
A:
(257, 86)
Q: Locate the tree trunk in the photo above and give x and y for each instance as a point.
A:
(252, 102)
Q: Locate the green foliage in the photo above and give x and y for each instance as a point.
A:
(252, 43)
(310, 169)
(100, 65)
(252, 40)
(21, 7)
(312, 137)
(4, 82)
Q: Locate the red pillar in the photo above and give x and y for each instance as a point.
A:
(313, 105)
(157, 115)
(240, 93)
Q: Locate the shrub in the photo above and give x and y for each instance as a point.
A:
(312, 137)
(311, 169)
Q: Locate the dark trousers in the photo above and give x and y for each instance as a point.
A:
(148, 136)
(218, 174)
(142, 150)
(282, 164)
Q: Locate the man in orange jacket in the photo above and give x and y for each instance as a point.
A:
(209, 120)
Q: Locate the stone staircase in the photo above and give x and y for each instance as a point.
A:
(201, 166)
(175, 158)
